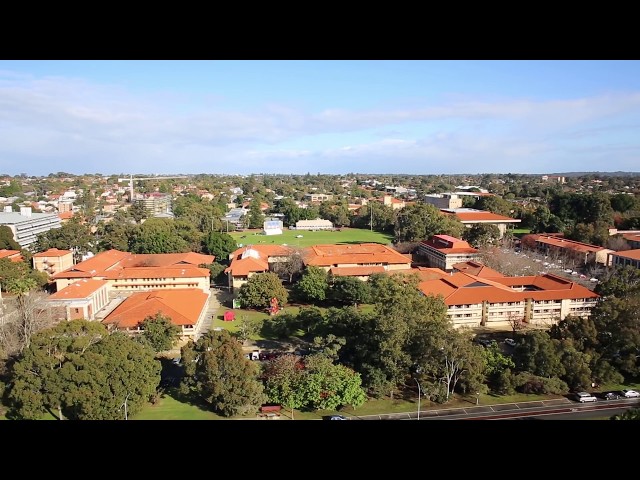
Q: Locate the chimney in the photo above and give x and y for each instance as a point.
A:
(8, 209)
(25, 211)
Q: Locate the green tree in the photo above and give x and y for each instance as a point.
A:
(537, 354)
(220, 245)
(256, 217)
(247, 328)
(157, 235)
(283, 377)
(313, 284)
(631, 414)
(350, 290)
(76, 370)
(217, 372)
(72, 235)
(494, 204)
(621, 281)
(137, 212)
(482, 234)
(421, 221)
(6, 239)
(260, 289)
(159, 332)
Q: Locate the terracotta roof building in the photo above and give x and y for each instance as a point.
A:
(582, 253)
(358, 260)
(81, 299)
(52, 261)
(129, 272)
(444, 251)
(633, 238)
(500, 302)
(624, 258)
(470, 217)
(252, 259)
(13, 255)
(186, 308)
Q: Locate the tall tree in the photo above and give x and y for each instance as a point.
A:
(220, 245)
(313, 285)
(260, 289)
(217, 372)
(76, 370)
(420, 221)
(159, 332)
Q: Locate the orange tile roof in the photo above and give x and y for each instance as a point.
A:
(80, 289)
(165, 259)
(363, 253)
(634, 237)
(52, 252)
(65, 215)
(244, 266)
(632, 254)
(423, 273)
(175, 271)
(569, 244)
(482, 216)
(106, 263)
(477, 269)
(356, 271)
(183, 306)
(264, 251)
(13, 255)
(453, 245)
(462, 289)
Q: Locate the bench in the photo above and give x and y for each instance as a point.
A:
(270, 408)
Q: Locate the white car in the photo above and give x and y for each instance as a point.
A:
(630, 393)
(510, 341)
(584, 397)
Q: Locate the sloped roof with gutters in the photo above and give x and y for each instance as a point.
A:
(13, 255)
(108, 263)
(183, 307)
(448, 244)
(78, 290)
(568, 244)
(630, 254)
(356, 254)
(471, 215)
(174, 271)
(462, 289)
(423, 273)
(254, 258)
(477, 269)
(52, 252)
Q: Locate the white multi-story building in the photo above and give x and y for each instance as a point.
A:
(26, 225)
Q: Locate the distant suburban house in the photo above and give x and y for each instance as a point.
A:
(444, 251)
(553, 178)
(272, 226)
(235, 216)
(52, 261)
(359, 260)
(317, 224)
(470, 217)
(317, 197)
(252, 259)
(186, 308)
(541, 300)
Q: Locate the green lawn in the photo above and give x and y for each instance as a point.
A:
(345, 235)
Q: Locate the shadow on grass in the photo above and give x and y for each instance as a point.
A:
(189, 399)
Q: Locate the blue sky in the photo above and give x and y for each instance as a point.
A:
(332, 117)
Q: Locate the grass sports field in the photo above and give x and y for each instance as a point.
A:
(308, 238)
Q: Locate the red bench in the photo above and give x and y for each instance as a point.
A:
(270, 408)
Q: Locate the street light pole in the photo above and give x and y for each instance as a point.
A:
(419, 395)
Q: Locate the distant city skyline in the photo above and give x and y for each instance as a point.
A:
(417, 117)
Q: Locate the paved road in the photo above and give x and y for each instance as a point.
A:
(212, 309)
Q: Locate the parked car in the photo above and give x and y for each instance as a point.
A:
(337, 417)
(630, 393)
(611, 396)
(510, 341)
(583, 397)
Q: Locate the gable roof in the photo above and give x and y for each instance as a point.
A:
(462, 289)
(631, 254)
(13, 255)
(182, 306)
(477, 269)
